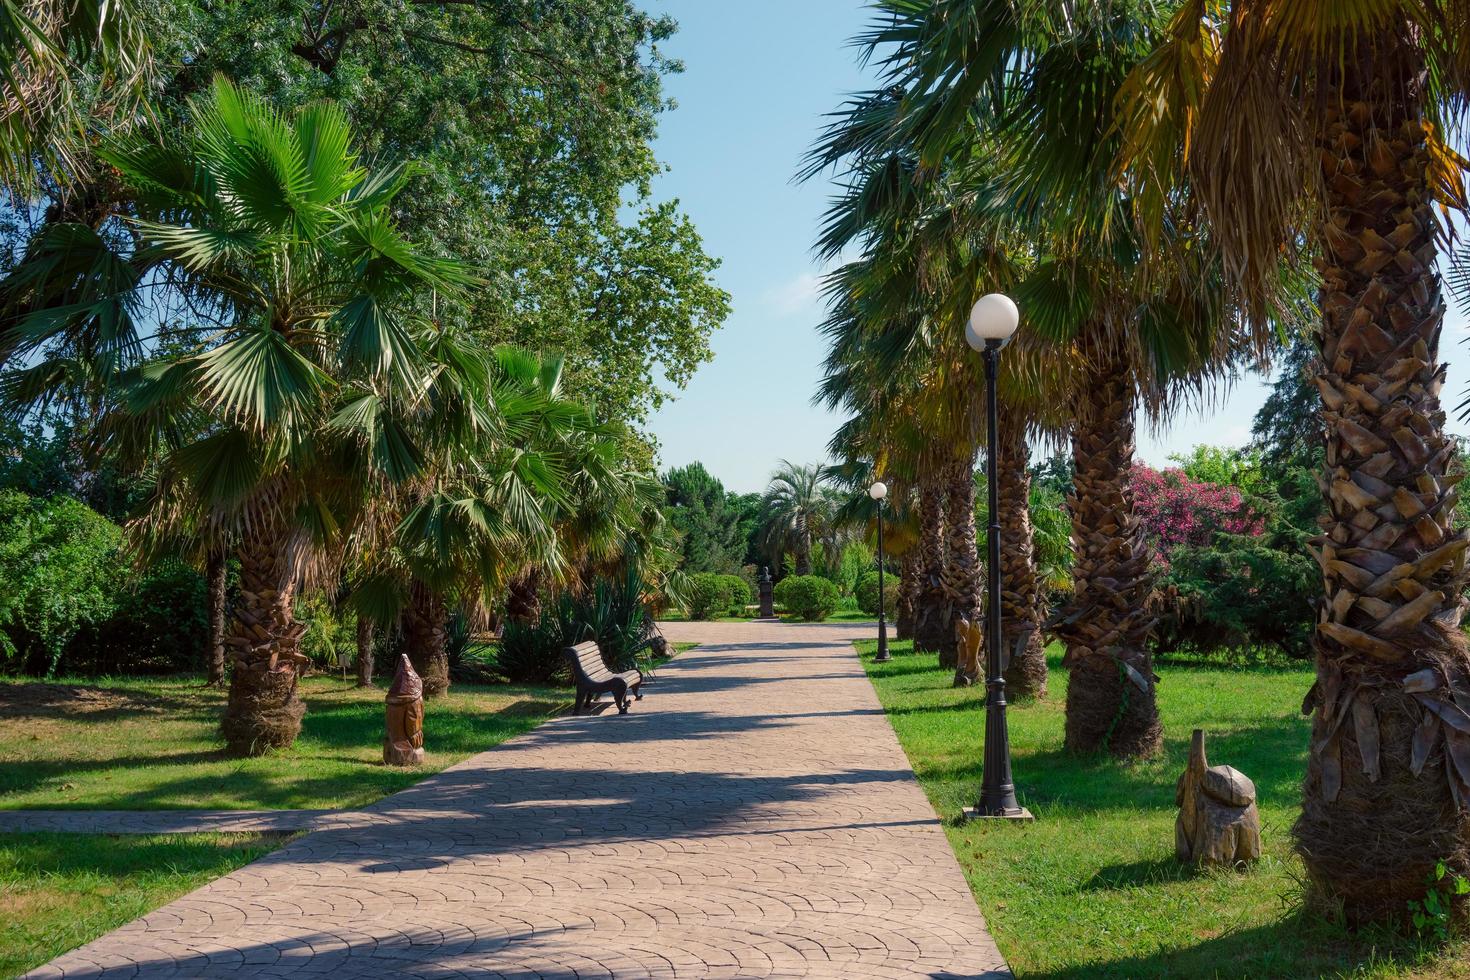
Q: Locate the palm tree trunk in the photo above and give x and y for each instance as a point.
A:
(364, 651)
(426, 634)
(523, 597)
(963, 574)
(1111, 699)
(932, 630)
(804, 549)
(908, 591)
(264, 710)
(214, 586)
(1388, 778)
(1020, 622)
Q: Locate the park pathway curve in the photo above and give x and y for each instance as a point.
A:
(753, 816)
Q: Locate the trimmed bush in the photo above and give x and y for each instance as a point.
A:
(867, 593)
(808, 597)
(709, 595)
(740, 592)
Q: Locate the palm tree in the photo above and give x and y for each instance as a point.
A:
(46, 47)
(273, 227)
(793, 510)
(1328, 124)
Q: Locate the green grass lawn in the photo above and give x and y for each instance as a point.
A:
(150, 744)
(58, 891)
(1092, 888)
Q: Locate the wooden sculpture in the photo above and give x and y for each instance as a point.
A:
(404, 743)
(968, 639)
(1218, 823)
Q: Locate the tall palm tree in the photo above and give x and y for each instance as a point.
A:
(65, 65)
(1328, 123)
(279, 233)
(793, 510)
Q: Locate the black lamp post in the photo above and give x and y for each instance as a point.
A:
(878, 491)
(992, 322)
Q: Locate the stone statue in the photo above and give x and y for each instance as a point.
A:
(1218, 823)
(968, 639)
(404, 743)
(768, 607)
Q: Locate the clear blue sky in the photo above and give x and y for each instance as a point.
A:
(759, 75)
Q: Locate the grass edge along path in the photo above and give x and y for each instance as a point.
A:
(1092, 889)
(61, 891)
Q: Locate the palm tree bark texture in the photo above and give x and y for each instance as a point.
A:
(1388, 777)
(426, 635)
(1020, 610)
(364, 651)
(963, 572)
(908, 592)
(1111, 699)
(264, 710)
(932, 632)
(214, 579)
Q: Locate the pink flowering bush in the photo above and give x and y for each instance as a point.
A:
(1176, 511)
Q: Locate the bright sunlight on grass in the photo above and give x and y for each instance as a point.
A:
(1092, 888)
(58, 891)
(150, 744)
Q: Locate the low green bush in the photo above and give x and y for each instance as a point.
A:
(161, 628)
(709, 595)
(867, 594)
(740, 593)
(808, 597)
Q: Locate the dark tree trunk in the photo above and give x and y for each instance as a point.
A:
(908, 590)
(1111, 698)
(523, 597)
(1388, 778)
(963, 574)
(214, 585)
(264, 710)
(932, 632)
(1020, 622)
(425, 633)
(364, 651)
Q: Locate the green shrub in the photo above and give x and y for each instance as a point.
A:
(867, 594)
(162, 628)
(709, 595)
(531, 653)
(331, 634)
(808, 597)
(60, 572)
(740, 593)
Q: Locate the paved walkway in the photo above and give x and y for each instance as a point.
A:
(753, 816)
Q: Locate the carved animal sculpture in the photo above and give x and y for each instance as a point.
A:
(968, 639)
(404, 743)
(1218, 823)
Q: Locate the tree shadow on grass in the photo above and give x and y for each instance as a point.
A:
(1297, 945)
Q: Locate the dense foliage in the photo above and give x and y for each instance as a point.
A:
(867, 593)
(810, 598)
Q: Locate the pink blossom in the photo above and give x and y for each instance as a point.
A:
(1174, 510)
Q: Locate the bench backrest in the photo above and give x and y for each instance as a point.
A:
(588, 660)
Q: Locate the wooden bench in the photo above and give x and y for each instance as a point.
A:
(593, 678)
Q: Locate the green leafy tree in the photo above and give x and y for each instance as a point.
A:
(794, 511)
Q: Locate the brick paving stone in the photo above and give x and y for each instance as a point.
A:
(753, 816)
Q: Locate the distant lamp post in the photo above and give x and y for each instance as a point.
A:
(878, 491)
(992, 322)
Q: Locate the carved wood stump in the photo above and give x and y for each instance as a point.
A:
(1218, 823)
(404, 743)
(968, 639)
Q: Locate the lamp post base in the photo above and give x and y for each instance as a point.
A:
(1019, 815)
(883, 656)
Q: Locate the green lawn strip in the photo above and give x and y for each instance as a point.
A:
(58, 891)
(1092, 888)
(150, 744)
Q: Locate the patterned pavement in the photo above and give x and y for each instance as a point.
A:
(753, 816)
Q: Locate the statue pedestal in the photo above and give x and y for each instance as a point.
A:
(768, 606)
